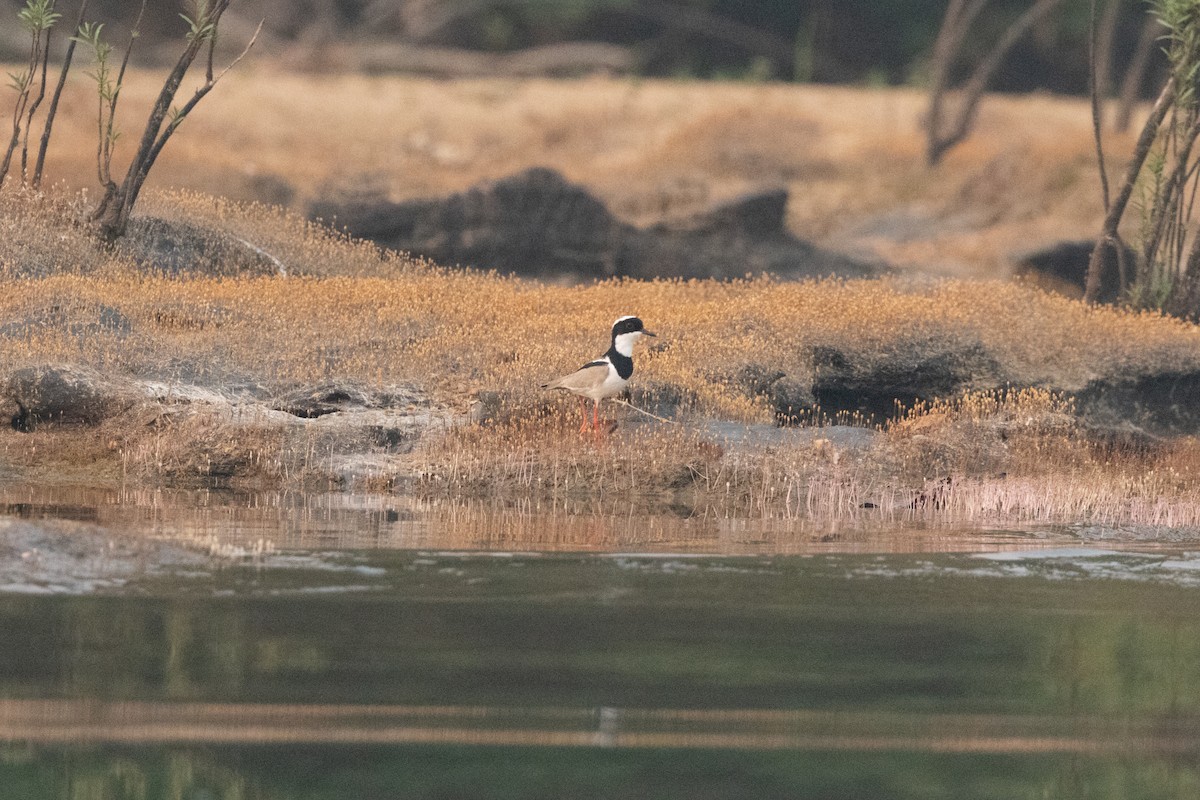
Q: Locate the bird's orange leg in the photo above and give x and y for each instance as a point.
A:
(596, 415)
(583, 426)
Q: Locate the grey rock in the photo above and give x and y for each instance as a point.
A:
(1130, 409)
(335, 396)
(311, 403)
(1063, 266)
(537, 223)
(534, 223)
(874, 391)
(668, 400)
(746, 235)
(790, 396)
(179, 248)
(1161, 405)
(63, 394)
(754, 214)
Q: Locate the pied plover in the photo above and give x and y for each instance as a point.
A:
(606, 376)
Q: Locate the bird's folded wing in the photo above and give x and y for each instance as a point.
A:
(588, 377)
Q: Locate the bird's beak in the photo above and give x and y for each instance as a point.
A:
(648, 333)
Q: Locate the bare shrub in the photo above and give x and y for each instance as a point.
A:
(111, 216)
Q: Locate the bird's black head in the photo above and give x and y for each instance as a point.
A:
(626, 325)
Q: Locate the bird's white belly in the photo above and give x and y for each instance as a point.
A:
(612, 386)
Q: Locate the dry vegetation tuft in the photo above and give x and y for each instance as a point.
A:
(992, 457)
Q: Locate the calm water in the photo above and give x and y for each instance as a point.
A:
(321, 647)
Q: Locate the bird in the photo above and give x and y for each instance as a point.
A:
(607, 375)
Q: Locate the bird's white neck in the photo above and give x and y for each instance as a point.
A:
(623, 343)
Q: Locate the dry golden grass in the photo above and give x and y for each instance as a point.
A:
(348, 311)
(852, 157)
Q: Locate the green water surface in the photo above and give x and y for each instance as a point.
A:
(1102, 650)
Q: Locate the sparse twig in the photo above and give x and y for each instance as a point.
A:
(43, 68)
(1095, 90)
(110, 134)
(211, 81)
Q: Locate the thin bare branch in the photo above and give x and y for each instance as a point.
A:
(19, 109)
(52, 110)
(33, 107)
(199, 95)
(212, 49)
(134, 33)
(107, 137)
(1095, 91)
(972, 93)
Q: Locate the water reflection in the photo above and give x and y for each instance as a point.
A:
(384, 647)
(133, 722)
(848, 633)
(432, 773)
(233, 522)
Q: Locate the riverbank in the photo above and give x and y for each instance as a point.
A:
(308, 360)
